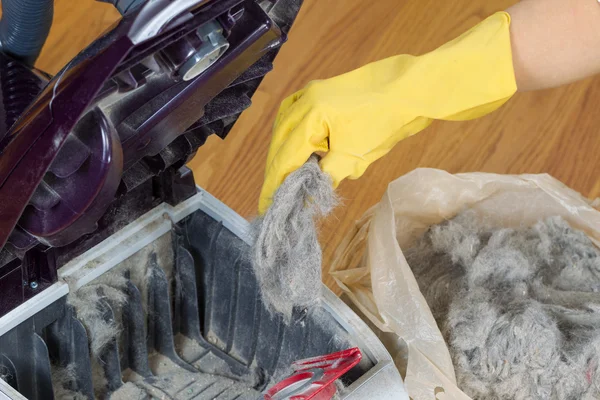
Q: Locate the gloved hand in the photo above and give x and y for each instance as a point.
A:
(356, 118)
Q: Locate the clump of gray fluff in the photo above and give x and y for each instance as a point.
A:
(62, 379)
(286, 252)
(87, 301)
(518, 308)
(5, 374)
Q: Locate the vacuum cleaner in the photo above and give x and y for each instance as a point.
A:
(119, 277)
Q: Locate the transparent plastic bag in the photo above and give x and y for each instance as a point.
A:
(370, 268)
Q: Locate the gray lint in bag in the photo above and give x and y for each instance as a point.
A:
(286, 253)
(518, 308)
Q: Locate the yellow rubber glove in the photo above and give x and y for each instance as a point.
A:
(359, 116)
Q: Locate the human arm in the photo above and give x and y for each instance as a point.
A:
(359, 116)
(554, 42)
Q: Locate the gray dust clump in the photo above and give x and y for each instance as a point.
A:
(286, 253)
(518, 308)
(62, 381)
(87, 301)
(5, 374)
(90, 303)
(129, 391)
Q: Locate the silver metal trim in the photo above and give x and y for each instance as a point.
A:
(166, 14)
(214, 45)
(8, 393)
(32, 306)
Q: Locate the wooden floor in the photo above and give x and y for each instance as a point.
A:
(554, 131)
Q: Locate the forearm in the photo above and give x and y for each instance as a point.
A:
(554, 42)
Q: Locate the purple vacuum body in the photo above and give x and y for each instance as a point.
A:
(87, 151)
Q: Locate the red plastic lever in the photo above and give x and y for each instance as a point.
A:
(314, 378)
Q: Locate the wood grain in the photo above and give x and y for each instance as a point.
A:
(75, 25)
(553, 131)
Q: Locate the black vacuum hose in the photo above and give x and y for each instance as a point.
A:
(24, 27)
